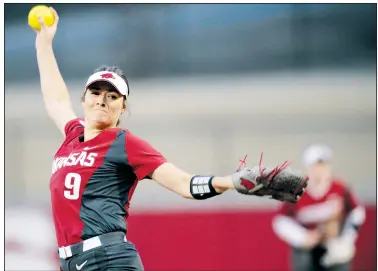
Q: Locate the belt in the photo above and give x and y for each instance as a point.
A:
(97, 241)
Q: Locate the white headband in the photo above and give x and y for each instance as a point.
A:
(118, 83)
(316, 153)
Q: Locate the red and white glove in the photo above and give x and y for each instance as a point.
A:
(279, 183)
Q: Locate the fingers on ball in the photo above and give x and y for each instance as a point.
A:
(55, 15)
(41, 21)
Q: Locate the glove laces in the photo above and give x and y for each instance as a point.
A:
(272, 174)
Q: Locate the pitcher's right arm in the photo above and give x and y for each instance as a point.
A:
(55, 93)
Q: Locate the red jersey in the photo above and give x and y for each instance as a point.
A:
(92, 182)
(311, 212)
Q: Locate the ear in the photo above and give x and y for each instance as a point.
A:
(83, 96)
(123, 107)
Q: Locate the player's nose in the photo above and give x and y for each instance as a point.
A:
(101, 100)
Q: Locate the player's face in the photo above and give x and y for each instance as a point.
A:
(103, 105)
(319, 171)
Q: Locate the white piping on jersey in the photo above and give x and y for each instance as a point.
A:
(319, 212)
(289, 230)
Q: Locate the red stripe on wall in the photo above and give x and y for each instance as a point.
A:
(238, 240)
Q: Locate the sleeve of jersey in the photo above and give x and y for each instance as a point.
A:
(286, 209)
(73, 126)
(355, 211)
(287, 228)
(142, 156)
(351, 199)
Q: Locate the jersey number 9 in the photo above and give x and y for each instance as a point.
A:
(72, 185)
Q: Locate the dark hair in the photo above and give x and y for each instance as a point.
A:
(117, 71)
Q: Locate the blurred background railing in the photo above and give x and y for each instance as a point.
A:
(209, 83)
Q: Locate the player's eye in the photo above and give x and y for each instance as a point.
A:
(113, 96)
(96, 93)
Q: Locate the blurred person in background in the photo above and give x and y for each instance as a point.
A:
(96, 169)
(322, 228)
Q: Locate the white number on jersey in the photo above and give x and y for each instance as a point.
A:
(72, 185)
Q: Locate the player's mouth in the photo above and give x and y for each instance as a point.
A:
(101, 110)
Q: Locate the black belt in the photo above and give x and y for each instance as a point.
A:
(91, 243)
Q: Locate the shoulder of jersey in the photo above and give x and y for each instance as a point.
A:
(76, 122)
(81, 121)
(340, 185)
(74, 126)
(339, 182)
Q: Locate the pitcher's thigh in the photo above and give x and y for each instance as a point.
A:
(123, 257)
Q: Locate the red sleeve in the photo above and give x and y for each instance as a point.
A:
(286, 209)
(142, 156)
(74, 126)
(350, 199)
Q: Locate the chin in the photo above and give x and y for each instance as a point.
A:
(101, 123)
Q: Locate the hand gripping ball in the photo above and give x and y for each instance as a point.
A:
(40, 10)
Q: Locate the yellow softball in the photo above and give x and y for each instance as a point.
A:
(40, 10)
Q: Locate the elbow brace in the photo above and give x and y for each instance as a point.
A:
(201, 187)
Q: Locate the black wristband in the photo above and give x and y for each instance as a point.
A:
(201, 187)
